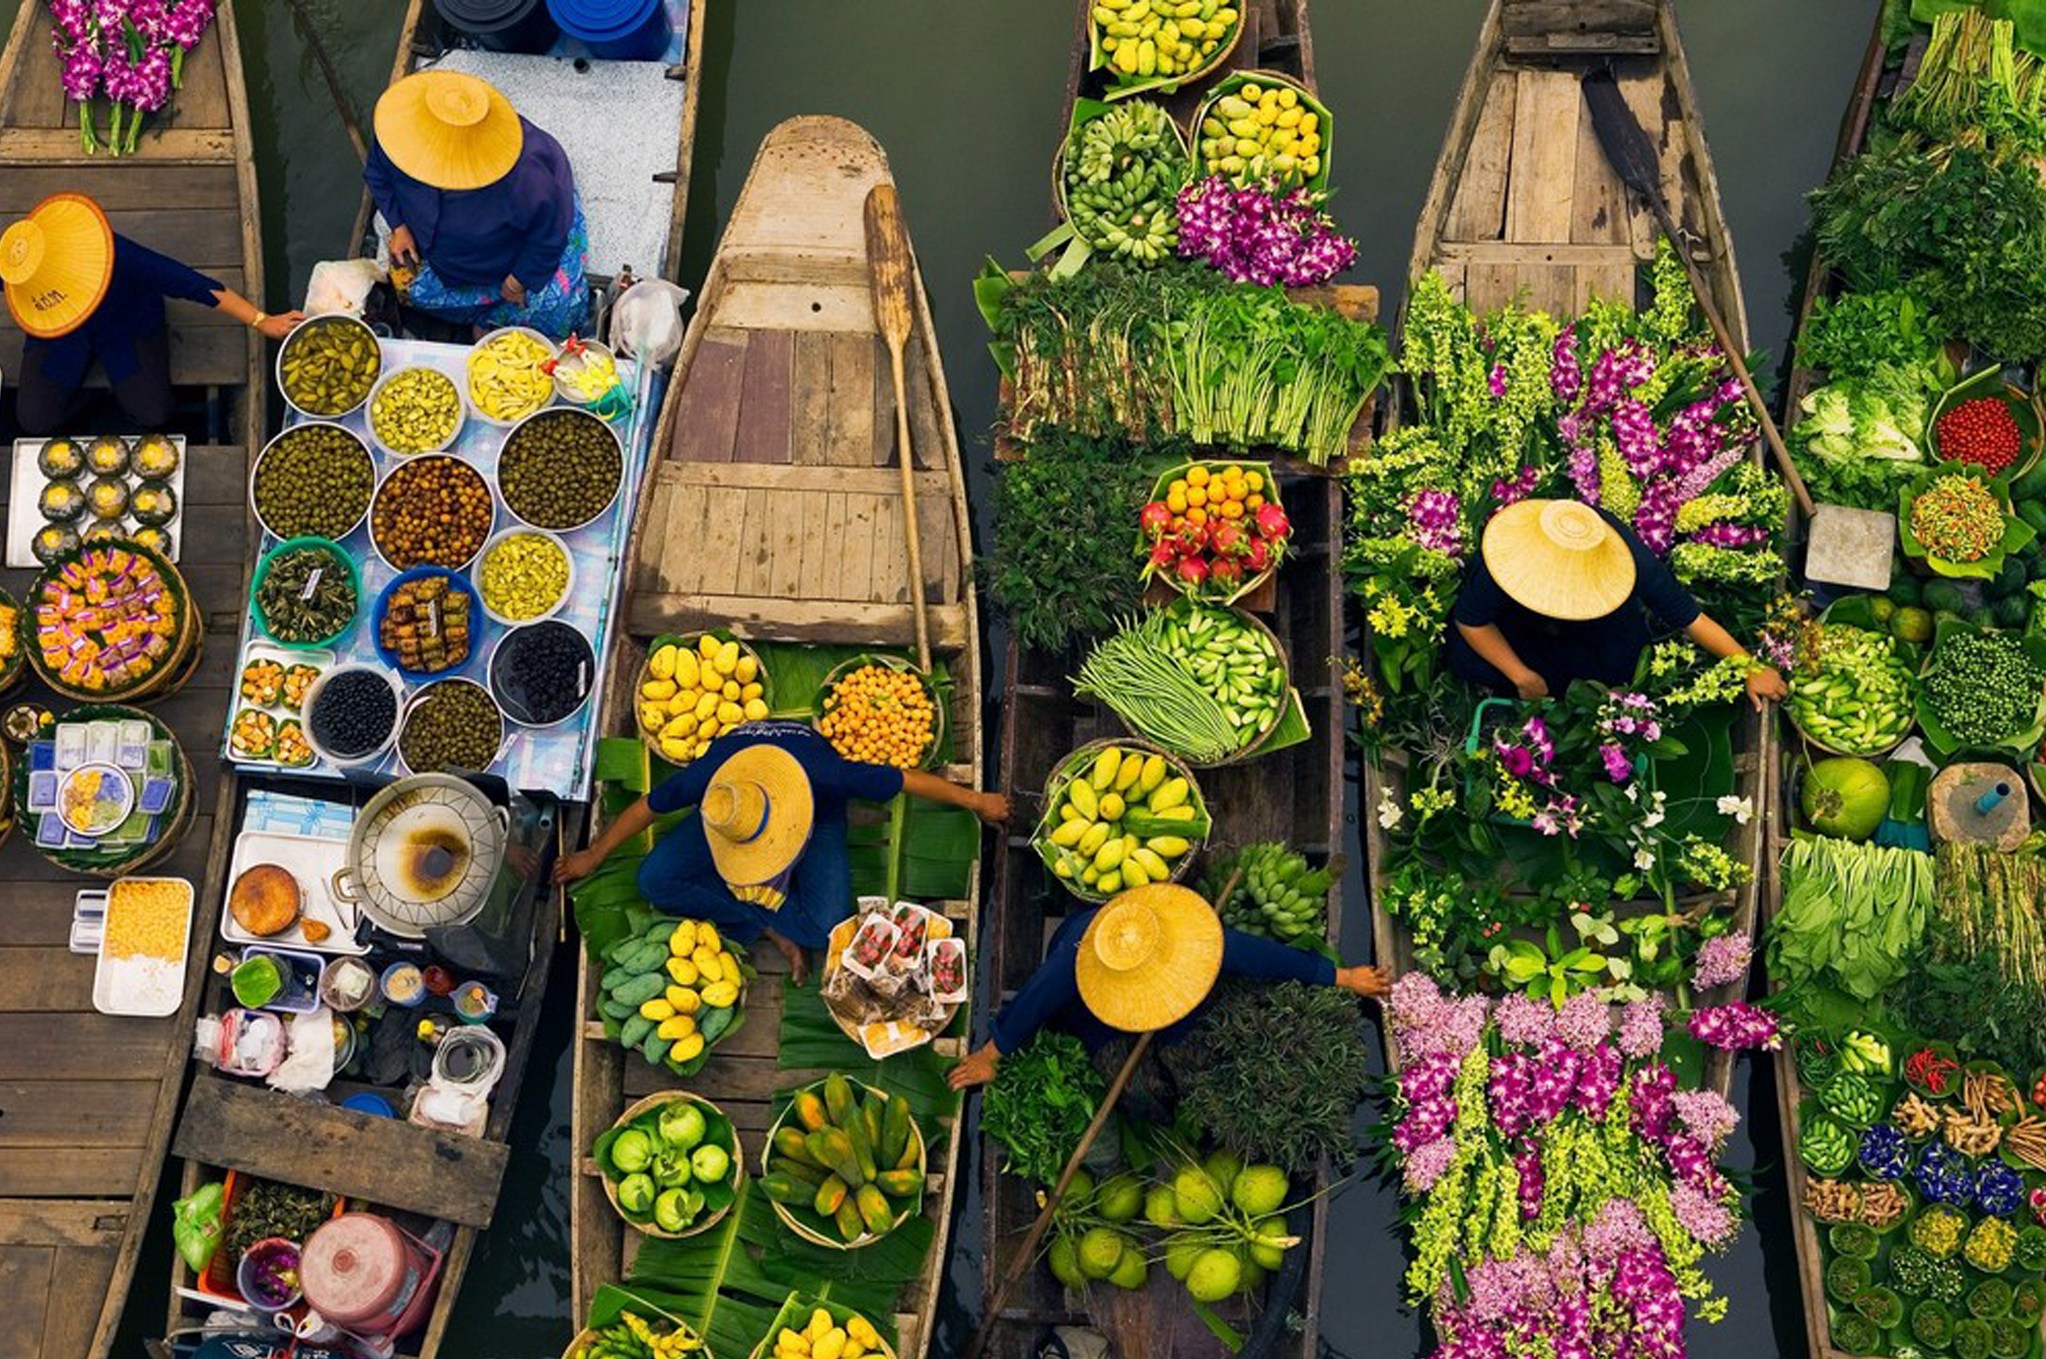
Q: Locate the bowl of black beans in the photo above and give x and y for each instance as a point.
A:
(352, 714)
(542, 674)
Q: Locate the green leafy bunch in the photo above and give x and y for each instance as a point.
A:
(1044, 1095)
(1064, 516)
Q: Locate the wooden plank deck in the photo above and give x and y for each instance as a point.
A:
(775, 507)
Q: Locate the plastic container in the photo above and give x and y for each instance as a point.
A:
(334, 551)
(615, 30)
(521, 530)
(364, 1274)
(402, 986)
(522, 26)
(371, 1103)
(474, 1002)
(312, 696)
(299, 974)
(470, 1059)
(245, 1278)
(456, 581)
(347, 984)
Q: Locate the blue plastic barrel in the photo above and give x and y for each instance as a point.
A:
(616, 30)
(498, 25)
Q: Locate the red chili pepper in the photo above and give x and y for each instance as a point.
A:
(1927, 1068)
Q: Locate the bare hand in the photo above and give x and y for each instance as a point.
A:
(513, 291)
(1368, 982)
(1532, 686)
(404, 250)
(993, 808)
(976, 1068)
(580, 864)
(1766, 686)
(278, 326)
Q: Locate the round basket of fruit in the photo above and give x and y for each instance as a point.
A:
(1105, 828)
(1214, 530)
(694, 689)
(806, 1328)
(1990, 424)
(880, 709)
(1260, 128)
(631, 1336)
(672, 991)
(844, 1164)
(1160, 44)
(671, 1164)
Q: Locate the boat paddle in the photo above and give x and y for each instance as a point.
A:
(1026, 1254)
(1634, 158)
(888, 266)
(349, 122)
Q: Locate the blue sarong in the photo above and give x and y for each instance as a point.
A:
(555, 310)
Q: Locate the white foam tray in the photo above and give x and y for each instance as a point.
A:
(25, 489)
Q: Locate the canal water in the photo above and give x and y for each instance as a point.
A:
(966, 97)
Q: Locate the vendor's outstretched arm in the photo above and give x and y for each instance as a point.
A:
(630, 822)
(1492, 647)
(1051, 989)
(992, 808)
(1765, 684)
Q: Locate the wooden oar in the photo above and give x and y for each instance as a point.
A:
(1633, 157)
(349, 122)
(888, 266)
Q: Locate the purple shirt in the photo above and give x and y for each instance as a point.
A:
(516, 226)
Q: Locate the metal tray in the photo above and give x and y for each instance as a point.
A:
(312, 861)
(25, 489)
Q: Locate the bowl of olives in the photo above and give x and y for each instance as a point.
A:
(560, 469)
(313, 480)
(450, 724)
(328, 364)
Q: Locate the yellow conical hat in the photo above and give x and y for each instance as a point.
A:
(1559, 558)
(1149, 957)
(449, 130)
(757, 814)
(56, 264)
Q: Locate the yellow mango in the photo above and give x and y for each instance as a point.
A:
(708, 968)
(658, 689)
(749, 692)
(730, 714)
(706, 705)
(727, 658)
(755, 710)
(661, 665)
(683, 941)
(684, 669)
(674, 750)
(747, 670)
(863, 1331)
(729, 966)
(682, 972)
(680, 1026)
(831, 1345)
(685, 1001)
(652, 717)
(707, 647)
(722, 996)
(707, 732)
(686, 1049)
(707, 937)
(657, 1010)
(1068, 834)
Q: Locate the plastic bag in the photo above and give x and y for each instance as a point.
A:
(197, 1224)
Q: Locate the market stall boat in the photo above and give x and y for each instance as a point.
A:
(774, 511)
(1294, 795)
(87, 1099)
(1525, 205)
(434, 1185)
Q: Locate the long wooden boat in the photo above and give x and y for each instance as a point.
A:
(87, 1100)
(1872, 86)
(1525, 206)
(1294, 795)
(774, 507)
(442, 1187)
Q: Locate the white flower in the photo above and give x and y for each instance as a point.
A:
(1633, 792)
(1658, 815)
(1739, 808)
(1389, 810)
(1644, 859)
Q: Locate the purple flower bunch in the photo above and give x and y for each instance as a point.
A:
(1253, 235)
(1722, 960)
(1626, 722)
(1641, 1027)
(1735, 1026)
(1435, 522)
(1528, 755)
(1425, 1022)
(130, 52)
(1520, 487)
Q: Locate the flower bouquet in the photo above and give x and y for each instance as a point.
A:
(130, 52)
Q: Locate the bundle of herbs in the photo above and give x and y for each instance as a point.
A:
(1275, 1073)
(1975, 87)
(1057, 572)
(1044, 1095)
(1852, 916)
(1982, 982)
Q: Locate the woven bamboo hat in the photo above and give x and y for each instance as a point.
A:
(449, 130)
(1149, 957)
(1559, 558)
(757, 814)
(56, 264)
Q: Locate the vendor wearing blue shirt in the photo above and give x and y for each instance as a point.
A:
(1144, 962)
(481, 203)
(765, 856)
(1561, 591)
(82, 294)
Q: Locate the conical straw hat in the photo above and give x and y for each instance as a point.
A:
(56, 264)
(449, 130)
(1149, 957)
(1559, 558)
(757, 814)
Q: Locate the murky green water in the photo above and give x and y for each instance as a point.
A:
(966, 96)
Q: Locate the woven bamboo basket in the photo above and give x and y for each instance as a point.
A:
(177, 667)
(655, 1101)
(811, 1234)
(795, 1312)
(1075, 766)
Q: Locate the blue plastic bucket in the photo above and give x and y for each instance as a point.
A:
(615, 30)
(499, 25)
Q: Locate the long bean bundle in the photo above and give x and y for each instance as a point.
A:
(1157, 696)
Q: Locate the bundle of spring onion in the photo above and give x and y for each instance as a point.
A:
(1201, 681)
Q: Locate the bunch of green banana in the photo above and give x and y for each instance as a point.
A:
(1277, 896)
(1124, 171)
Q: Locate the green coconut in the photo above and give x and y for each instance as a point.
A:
(1844, 797)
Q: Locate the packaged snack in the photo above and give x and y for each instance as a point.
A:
(867, 956)
(945, 964)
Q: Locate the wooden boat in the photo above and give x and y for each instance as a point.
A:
(87, 1100)
(443, 1187)
(1872, 86)
(774, 507)
(1524, 205)
(1294, 795)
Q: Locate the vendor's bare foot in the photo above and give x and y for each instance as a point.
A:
(799, 966)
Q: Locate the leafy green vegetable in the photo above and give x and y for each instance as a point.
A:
(1857, 334)
(1851, 918)
(1975, 87)
(1858, 439)
(1274, 1073)
(1044, 1095)
(1065, 518)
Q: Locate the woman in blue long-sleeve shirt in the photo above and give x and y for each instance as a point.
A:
(1054, 996)
(83, 294)
(481, 203)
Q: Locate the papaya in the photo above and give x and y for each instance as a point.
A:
(870, 1118)
(789, 1142)
(828, 1196)
(801, 1170)
(838, 1099)
(875, 1210)
(912, 1152)
(810, 1110)
(850, 1228)
(787, 1189)
(900, 1184)
(894, 1131)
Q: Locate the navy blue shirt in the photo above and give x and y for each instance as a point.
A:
(834, 780)
(1052, 995)
(132, 310)
(516, 226)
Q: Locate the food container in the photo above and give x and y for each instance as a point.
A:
(609, 465)
(312, 703)
(951, 978)
(364, 1274)
(470, 1058)
(143, 946)
(474, 1002)
(578, 369)
(241, 1042)
(422, 698)
(480, 409)
(312, 861)
(28, 478)
(382, 388)
(681, 752)
(298, 973)
(2024, 408)
(1078, 766)
(267, 680)
(259, 1277)
(303, 333)
(95, 799)
(341, 562)
(347, 984)
(356, 449)
(432, 624)
(401, 985)
(795, 1314)
(481, 566)
(827, 699)
(401, 476)
(513, 690)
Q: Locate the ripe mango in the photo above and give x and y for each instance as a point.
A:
(661, 665)
(721, 995)
(687, 1049)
